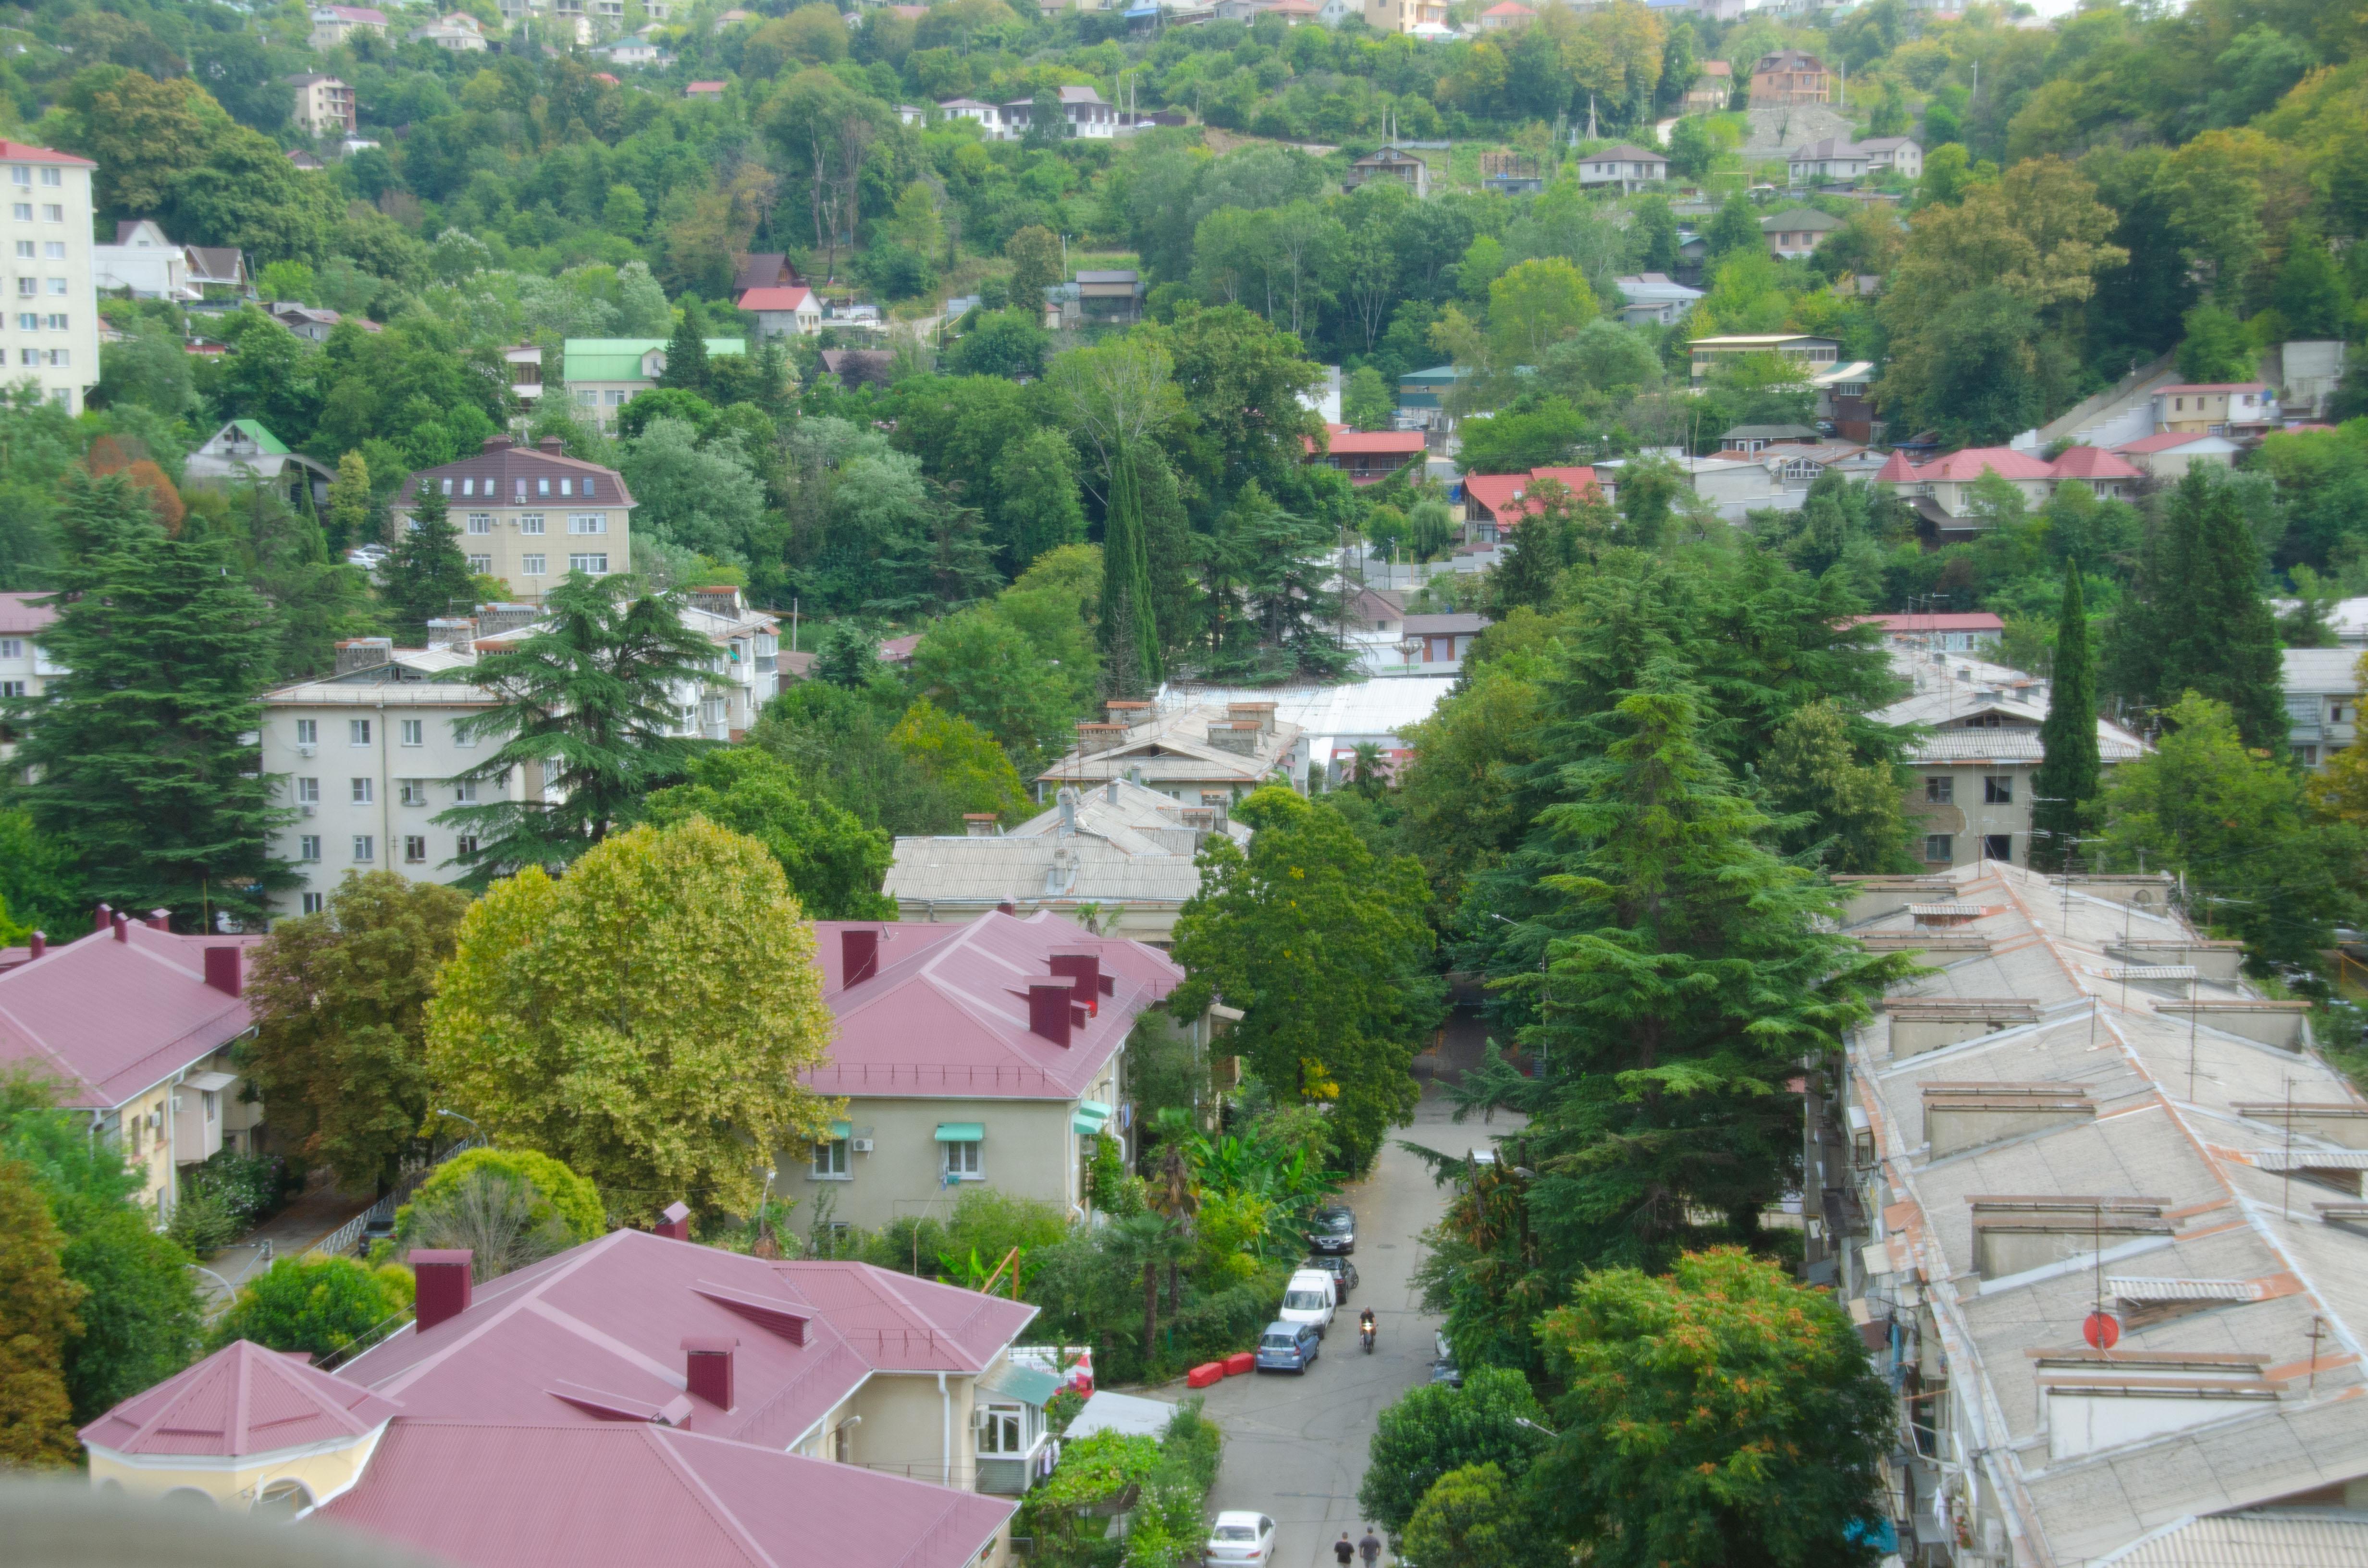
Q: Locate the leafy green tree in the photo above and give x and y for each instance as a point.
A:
(2197, 620)
(1718, 1416)
(340, 998)
(349, 523)
(834, 864)
(1735, 227)
(1366, 401)
(316, 1305)
(587, 706)
(2217, 346)
(2068, 774)
(141, 755)
(1475, 1518)
(1034, 252)
(2311, 293)
(1853, 808)
(1536, 305)
(425, 576)
(1323, 945)
(644, 1019)
(39, 879)
(37, 1304)
(1036, 505)
(2231, 817)
(699, 496)
(960, 760)
(1001, 342)
(849, 655)
(1118, 396)
(1436, 1428)
(979, 664)
(556, 1195)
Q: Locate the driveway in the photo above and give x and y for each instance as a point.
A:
(1295, 1445)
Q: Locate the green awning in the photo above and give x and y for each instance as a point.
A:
(841, 1130)
(1029, 1386)
(1094, 1108)
(961, 1132)
(1087, 1126)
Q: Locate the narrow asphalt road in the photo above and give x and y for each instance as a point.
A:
(1295, 1445)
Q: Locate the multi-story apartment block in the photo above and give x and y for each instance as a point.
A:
(23, 669)
(51, 335)
(531, 515)
(324, 106)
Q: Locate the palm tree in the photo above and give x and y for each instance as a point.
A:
(1176, 1200)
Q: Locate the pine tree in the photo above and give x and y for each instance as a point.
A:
(1130, 632)
(2218, 635)
(425, 576)
(588, 706)
(142, 755)
(2068, 771)
(686, 361)
(349, 505)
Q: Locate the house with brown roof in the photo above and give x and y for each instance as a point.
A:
(531, 515)
(1494, 504)
(788, 312)
(1389, 163)
(1199, 753)
(638, 1398)
(324, 106)
(332, 25)
(1625, 167)
(990, 1053)
(136, 1025)
(1367, 456)
(1507, 16)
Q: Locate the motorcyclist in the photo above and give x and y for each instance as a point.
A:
(1365, 1325)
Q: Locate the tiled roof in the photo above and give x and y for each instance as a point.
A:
(1794, 220)
(1500, 492)
(1624, 153)
(111, 1018)
(504, 466)
(20, 615)
(1939, 620)
(241, 1400)
(25, 153)
(2170, 440)
(1344, 440)
(784, 298)
(947, 1013)
(489, 1494)
(2092, 462)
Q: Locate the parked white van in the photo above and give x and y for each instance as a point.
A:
(1308, 1299)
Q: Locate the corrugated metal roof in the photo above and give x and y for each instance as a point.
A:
(619, 359)
(241, 1400)
(2283, 1538)
(111, 1018)
(2134, 1288)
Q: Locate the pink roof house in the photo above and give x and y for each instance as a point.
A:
(637, 1399)
(988, 1050)
(1941, 489)
(135, 1024)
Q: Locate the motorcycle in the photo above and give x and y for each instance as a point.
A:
(1365, 1332)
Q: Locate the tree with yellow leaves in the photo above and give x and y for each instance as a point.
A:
(2339, 792)
(36, 1319)
(644, 1019)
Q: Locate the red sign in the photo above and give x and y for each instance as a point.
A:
(2102, 1330)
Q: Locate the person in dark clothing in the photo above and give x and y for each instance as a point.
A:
(1370, 1549)
(1342, 1551)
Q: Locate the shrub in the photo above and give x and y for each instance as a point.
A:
(318, 1305)
(203, 1221)
(559, 1192)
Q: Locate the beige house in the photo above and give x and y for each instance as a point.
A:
(1405, 16)
(2224, 408)
(989, 1053)
(531, 515)
(324, 106)
(49, 333)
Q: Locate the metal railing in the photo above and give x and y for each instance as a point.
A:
(341, 1240)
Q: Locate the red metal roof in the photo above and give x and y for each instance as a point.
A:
(1963, 467)
(1895, 469)
(947, 1014)
(630, 1495)
(241, 1400)
(2164, 442)
(2092, 462)
(25, 153)
(605, 1323)
(775, 299)
(1940, 620)
(20, 615)
(1343, 439)
(111, 1018)
(1496, 492)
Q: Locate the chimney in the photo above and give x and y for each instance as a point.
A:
(1240, 737)
(158, 920)
(1007, 907)
(102, 917)
(707, 1367)
(1110, 792)
(363, 653)
(677, 1223)
(456, 632)
(1128, 714)
(858, 955)
(979, 825)
(498, 443)
(122, 926)
(1048, 1009)
(553, 445)
(37, 944)
(1084, 972)
(443, 1276)
(1068, 798)
(223, 970)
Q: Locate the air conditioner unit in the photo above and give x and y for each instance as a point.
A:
(307, 809)
(860, 1145)
(306, 750)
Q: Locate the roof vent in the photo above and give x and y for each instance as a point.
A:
(1049, 1003)
(676, 1222)
(707, 1367)
(122, 926)
(443, 1283)
(363, 653)
(102, 917)
(1085, 977)
(497, 443)
(978, 824)
(780, 1318)
(224, 970)
(858, 955)
(552, 446)
(158, 920)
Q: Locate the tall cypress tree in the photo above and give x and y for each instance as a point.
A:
(2067, 775)
(140, 756)
(425, 575)
(1129, 631)
(2218, 635)
(686, 365)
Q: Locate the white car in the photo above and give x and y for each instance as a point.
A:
(1240, 1537)
(1309, 1299)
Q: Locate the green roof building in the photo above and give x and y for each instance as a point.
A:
(603, 374)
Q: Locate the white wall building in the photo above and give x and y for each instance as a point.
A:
(145, 262)
(51, 335)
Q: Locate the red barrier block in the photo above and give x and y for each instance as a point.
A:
(1204, 1374)
(1240, 1362)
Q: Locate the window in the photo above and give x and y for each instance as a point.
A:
(20, 174)
(415, 731)
(462, 737)
(533, 565)
(11, 688)
(415, 849)
(464, 790)
(21, 210)
(53, 249)
(28, 323)
(590, 566)
(2306, 756)
(482, 565)
(1939, 848)
(481, 522)
(529, 522)
(566, 487)
(364, 791)
(616, 399)
(58, 287)
(1984, 721)
(308, 731)
(587, 522)
(1940, 790)
(542, 486)
(314, 903)
(57, 322)
(465, 846)
(829, 1160)
(1999, 846)
(12, 647)
(358, 731)
(415, 792)
(365, 849)
(2335, 711)
(52, 212)
(308, 791)
(52, 177)
(584, 488)
(28, 286)
(1002, 1429)
(468, 487)
(60, 359)
(447, 486)
(961, 1161)
(1997, 790)
(309, 846)
(584, 399)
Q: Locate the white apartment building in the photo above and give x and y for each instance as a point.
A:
(50, 335)
(25, 670)
(531, 515)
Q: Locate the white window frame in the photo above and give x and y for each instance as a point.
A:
(365, 791)
(529, 522)
(587, 523)
(964, 1166)
(415, 792)
(481, 522)
(365, 849)
(415, 849)
(413, 732)
(482, 565)
(308, 791)
(585, 564)
(828, 1161)
(357, 733)
(314, 903)
(308, 846)
(534, 565)
(308, 731)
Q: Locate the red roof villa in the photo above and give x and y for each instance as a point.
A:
(1494, 504)
(993, 1051)
(1942, 490)
(1367, 456)
(136, 1025)
(637, 1399)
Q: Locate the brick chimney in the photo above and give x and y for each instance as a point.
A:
(707, 1367)
(978, 824)
(364, 654)
(1084, 972)
(121, 924)
(858, 955)
(1049, 1002)
(102, 917)
(159, 920)
(497, 443)
(553, 445)
(225, 970)
(677, 1223)
(37, 944)
(1005, 906)
(443, 1279)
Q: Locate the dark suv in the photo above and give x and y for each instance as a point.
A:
(1343, 1272)
(1334, 1229)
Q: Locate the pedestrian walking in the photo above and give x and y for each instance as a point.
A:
(1370, 1549)
(1344, 1552)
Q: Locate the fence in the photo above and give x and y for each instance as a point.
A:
(341, 1240)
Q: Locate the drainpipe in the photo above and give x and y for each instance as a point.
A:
(946, 1402)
